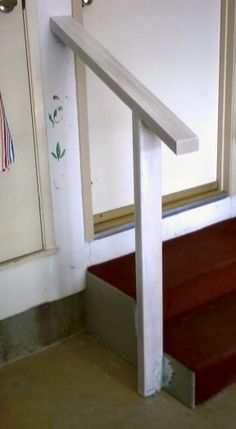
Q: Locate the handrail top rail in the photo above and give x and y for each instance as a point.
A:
(153, 113)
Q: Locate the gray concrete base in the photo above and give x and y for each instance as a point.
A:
(110, 318)
(39, 327)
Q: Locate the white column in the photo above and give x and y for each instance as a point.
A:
(148, 218)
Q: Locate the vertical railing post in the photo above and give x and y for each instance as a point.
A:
(148, 218)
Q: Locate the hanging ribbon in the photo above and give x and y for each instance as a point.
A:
(7, 155)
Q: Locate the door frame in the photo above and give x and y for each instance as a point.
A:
(39, 126)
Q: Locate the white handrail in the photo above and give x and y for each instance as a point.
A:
(154, 114)
(153, 122)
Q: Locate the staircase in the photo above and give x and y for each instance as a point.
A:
(199, 271)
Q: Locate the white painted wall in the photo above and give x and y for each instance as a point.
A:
(30, 283)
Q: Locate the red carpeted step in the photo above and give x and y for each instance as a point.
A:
(204, 341)
(119, 272)
(197, 268)
(199, 303)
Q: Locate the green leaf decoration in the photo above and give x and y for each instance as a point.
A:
(53, 154)
(63, 153)
(58, 150)
(51, 119)
(59, 154)
(56, 116)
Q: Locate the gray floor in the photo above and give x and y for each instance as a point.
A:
(79, 384)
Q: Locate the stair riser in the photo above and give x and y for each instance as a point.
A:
(111, 318)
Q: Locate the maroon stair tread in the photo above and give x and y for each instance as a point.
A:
(204, 340)
(200, 289)
(203, 250)
(206, 334)
(197, 267)
(119, 272)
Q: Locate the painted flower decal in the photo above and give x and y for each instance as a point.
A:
(55, 118)
(58, 154)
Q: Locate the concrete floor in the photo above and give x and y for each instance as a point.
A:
(80, 385)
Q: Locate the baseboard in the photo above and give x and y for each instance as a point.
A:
(42, 326)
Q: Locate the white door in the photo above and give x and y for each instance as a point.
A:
(20, 226)
(173, 48)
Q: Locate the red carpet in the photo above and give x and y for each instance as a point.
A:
(204, 340)
(199, 271)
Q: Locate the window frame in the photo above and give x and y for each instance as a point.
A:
(226, 154)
